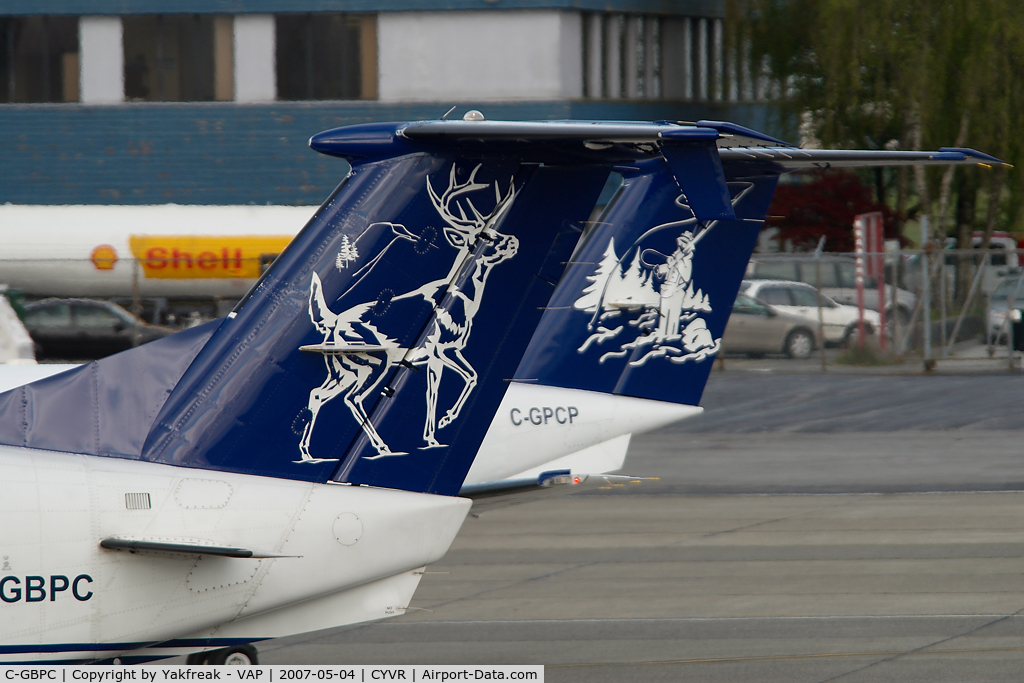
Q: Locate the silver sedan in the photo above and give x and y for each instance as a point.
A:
(757, 329)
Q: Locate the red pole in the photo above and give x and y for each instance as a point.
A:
(879, 235)
(858, 231)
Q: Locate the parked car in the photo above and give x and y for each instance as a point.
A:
(999, 304)
(796, 298)
(16, 346)
(83, 329)
(757, 329)
(838, 280)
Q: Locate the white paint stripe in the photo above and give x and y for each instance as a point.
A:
(847, 617)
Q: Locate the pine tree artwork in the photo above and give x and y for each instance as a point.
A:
(347, 252)
(594, 292)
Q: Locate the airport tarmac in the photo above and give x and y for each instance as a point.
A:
(808, 528)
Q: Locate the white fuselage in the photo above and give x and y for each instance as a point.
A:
(357, 551)
(353, 554)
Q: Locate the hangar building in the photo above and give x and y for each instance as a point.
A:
(189, 102)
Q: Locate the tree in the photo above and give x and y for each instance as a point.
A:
(910, 74)
(824, 205)
(903, 73)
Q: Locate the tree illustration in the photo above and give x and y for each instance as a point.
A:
(346, 253)
(593, 292)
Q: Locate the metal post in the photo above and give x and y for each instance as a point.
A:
(1009, 331)
(942, 305)
(896, 341)
(1008, 321)
(926, 294)
(136, 302)
(876, 247)
(967, 303)
(990, 339)
(880, 283)
(821, 316)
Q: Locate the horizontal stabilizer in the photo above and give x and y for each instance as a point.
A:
(733, 135)
(500, 494)
(136, 546)
(335, 348)
(793, 158)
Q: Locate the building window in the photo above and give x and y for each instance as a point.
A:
(621, 56)
(326, 57)
(703, 59)
(39, 59)
(178, 58)
(636, 56)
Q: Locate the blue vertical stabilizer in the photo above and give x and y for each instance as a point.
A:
(642, 308)
(380, 344)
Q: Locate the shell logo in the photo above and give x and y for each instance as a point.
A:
(104, 257)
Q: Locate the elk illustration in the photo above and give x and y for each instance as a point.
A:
(463, 230)
(355, 374)
(452, 325)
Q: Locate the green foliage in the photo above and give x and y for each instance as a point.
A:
(901, 73)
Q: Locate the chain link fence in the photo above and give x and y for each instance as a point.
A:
(938, 305)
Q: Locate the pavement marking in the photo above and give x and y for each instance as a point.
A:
(758, 658)
(927, 649)
(609, 620)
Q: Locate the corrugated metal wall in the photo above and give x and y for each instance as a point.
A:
(698, 8)
(225, 153)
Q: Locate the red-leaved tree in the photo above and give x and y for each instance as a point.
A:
(817, 203)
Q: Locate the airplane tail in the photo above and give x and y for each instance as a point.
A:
(628, 339)
(643, 304)
(645, 299)
(377, 347)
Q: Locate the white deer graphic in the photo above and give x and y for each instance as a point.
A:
(355, 375)
(452, 325)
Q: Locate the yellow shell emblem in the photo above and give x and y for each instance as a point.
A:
(104, 257)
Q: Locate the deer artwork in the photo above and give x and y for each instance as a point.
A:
(354, 375)
(452, 324)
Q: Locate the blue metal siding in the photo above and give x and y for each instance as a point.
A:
(699, 8)
(225, 153)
